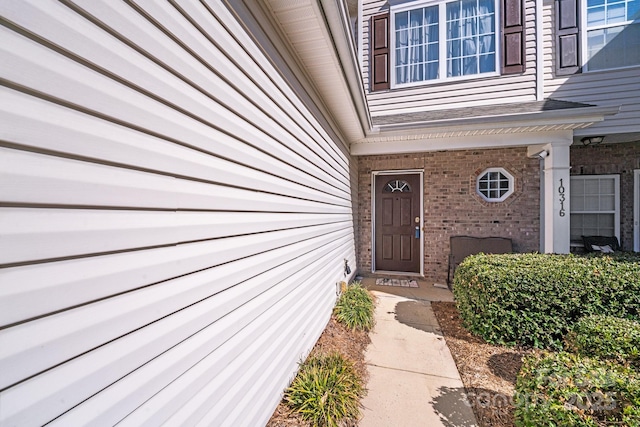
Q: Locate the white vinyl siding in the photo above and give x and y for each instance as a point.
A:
(174, 218)
(456, 93)
(619, 87)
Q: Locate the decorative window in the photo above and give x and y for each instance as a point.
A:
(595, 206)
(495, 184)
(397, 186)
(445, 40)
(612, 36)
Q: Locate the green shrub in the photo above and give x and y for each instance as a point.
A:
(606, 337)
(355, 308)
(326, 390)
(563, 389)
(533, 299)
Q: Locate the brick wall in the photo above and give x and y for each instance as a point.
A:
(611, 159)
(451, 205)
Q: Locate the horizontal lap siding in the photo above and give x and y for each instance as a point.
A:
(602, 88)
(173, 217)
(458, 94)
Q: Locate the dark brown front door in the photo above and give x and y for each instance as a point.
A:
(397, 222)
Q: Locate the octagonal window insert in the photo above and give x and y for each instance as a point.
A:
(494, 184)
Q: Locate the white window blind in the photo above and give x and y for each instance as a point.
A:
(595, 206)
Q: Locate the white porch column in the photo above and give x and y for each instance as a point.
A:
(555, 199)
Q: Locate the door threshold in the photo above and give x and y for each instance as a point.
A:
(397, 273)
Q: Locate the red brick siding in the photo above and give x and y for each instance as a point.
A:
(451, 204)
(609, 159)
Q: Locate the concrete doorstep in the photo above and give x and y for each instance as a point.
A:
(413, 380)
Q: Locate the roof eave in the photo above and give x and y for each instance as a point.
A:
(573, 116)
(319, 34)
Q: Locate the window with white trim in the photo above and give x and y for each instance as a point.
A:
(494, 184)
(612, 34)
(595, 206)
(438, 41)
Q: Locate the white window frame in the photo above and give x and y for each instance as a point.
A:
(504, 197)
(442, 44)
(584, 29)
(616, 212)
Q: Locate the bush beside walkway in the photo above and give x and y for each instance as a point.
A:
(533, 299)
(560, 302)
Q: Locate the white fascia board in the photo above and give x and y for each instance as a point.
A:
(338, 24)
(462, 143)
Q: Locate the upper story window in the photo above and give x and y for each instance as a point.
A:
(430, 41)
(443, 40)
(612, 36)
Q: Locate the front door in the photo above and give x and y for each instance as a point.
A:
(397, 223)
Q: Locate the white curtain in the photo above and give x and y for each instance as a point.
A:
(412, 38)
(402, 47)
(487, 36)
(415, 45)
(470, 37)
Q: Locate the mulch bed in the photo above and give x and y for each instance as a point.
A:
(335, 338)
(488, 371)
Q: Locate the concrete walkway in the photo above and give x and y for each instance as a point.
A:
(413, 380)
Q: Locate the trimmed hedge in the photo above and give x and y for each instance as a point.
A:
(606, 337)
(533, 299)
(563, 389)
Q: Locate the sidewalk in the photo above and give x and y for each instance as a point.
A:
(413, 380)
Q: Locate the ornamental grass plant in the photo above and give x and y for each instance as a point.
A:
(355, 308)
(326, 391)
(328, 387)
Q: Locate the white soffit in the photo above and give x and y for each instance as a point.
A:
(303, 24)
(459, 141)
(481, 132)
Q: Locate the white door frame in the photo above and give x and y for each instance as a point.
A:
(374, 174)
(636, 210)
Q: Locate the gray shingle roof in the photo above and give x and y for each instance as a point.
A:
(476, 112)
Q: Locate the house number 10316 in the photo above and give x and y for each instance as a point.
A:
(562, 198)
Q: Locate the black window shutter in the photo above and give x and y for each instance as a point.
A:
(567, 37)
(379, 72)
(513, 43)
